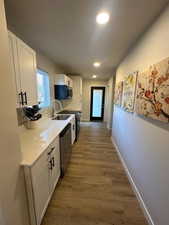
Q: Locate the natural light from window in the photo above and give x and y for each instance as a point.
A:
(43, 88)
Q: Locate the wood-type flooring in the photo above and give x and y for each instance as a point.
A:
(95, 189)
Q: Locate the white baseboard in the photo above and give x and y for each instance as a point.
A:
(134, 187)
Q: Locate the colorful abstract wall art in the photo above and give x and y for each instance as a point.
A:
(118, 93)
(129, 90)
(152, 98)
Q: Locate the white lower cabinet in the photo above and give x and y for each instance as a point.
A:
(54, 163)
(73, 130)
(40, 186)
(41, 179)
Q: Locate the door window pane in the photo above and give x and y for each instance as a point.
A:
(97, 103)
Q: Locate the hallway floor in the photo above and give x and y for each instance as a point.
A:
(95, 189)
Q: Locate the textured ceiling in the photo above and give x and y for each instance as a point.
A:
(66, 31)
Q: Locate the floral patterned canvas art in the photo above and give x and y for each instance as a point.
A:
(118, 93)
(129, 89)
(153, 92)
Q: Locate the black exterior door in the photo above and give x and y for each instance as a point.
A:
(97, 103)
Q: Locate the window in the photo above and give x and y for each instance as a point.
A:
(43, 89)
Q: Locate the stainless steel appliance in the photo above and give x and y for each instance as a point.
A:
(65, 148)
(77, 118)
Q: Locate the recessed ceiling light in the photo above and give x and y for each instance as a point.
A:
(94, 76)
(102, 18)
(96, 64)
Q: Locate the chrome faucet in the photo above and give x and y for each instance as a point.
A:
(57, 107)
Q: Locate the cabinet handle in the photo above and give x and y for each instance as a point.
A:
(51, 150)
(53, 162)
(21, 98)
(51, 165)
(25, 95)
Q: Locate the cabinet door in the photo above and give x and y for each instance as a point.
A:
(55, 157)
(40, 186)
(66, 80)
(73, 130)
(70, 83)
(27, 67)
(14, 66)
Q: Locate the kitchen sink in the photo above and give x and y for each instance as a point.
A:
(61, 117)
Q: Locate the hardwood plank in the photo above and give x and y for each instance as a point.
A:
(95, 189)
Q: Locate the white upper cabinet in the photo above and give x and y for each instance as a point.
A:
(15, 67)
(62, 79)
(70, 82)
(23, 65)
(27, 66)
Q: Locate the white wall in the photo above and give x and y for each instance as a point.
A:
(144, 143)
(86, 96)
(13, 208)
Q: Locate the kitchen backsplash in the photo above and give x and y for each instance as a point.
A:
(47, 112)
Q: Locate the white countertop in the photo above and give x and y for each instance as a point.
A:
(35, 141)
